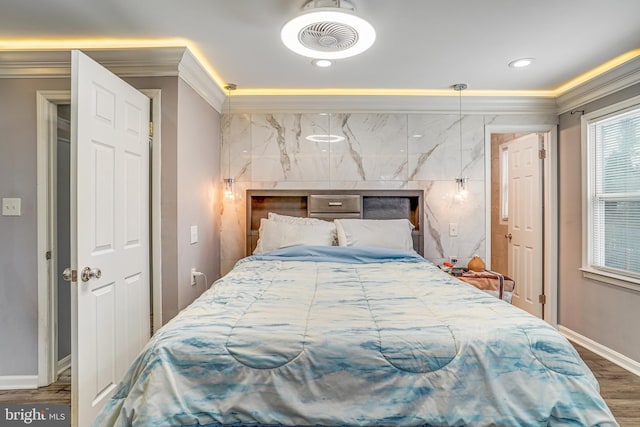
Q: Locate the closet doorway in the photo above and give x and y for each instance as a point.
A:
(61, 238)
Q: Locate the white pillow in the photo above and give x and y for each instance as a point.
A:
(312, 222)
(299, 220)
(275, 235)
(384, 233)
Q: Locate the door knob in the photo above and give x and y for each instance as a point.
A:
(508, 236)
(70, 275)
(90, 273)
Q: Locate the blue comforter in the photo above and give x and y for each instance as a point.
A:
(354, 336)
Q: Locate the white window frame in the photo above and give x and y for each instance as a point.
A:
(588, 270)
(503, 151)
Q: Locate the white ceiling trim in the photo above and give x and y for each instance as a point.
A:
(192, 72)
(22, 70)
(616, 79)
(142, 62)
(179, 61)
(392, 104)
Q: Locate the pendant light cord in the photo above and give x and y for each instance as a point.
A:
(229, 87)
(460, 125)
(460, 87)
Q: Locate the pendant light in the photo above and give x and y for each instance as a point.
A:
(462, 180)
(229, 192)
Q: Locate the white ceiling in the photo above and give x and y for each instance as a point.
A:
(421, 44)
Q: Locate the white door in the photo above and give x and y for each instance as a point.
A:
(109, 232)
(525, 222)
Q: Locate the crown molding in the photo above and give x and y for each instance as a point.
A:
(128, 62)
(612, 81)
(180, 61)
(385, 103)
(191, 71)
(125, 62)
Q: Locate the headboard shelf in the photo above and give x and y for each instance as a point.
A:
(332, 204)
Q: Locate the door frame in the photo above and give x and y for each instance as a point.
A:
(46, 121)
(550, 202)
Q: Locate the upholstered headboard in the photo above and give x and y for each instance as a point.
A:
(331, 204)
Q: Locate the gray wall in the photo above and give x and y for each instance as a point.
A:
(199, 139)
(604, 313)
(198, 180)
(18, 240)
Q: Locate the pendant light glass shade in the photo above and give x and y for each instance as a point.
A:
(228, 188)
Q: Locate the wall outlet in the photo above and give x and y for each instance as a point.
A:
(453, 259)
(453, 229)
(193, 276)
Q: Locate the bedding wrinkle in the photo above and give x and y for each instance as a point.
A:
(272, 330)
(409, 339)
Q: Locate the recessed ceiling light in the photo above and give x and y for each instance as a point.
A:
(521, 63)
(322, 63)
(328, 32)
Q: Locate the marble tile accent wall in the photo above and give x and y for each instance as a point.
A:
(366, 151)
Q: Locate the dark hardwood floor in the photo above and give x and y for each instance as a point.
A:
(620, 389)
(56, 393)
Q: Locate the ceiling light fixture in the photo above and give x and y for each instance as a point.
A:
(520, 63)
(322, 63)
(462, 181)
(229, 192)
(328, 29)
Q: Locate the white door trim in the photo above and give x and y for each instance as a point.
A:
(156, 198)
(550, 199)
(46, 217)
(46, 101)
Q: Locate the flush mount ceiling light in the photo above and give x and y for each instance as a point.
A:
(328, 29)
(521, 63)
(322, 63)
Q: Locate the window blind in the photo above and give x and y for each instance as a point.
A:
(615, 192)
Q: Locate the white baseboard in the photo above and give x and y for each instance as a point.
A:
(18, 382)
(599, 349)
(64, 364)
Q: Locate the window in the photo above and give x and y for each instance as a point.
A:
(613, 192)
(504, 183)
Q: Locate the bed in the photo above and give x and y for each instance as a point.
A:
(359, 334)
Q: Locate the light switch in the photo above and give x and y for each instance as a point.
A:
(194, 234)
(453, 229)
(11, 206)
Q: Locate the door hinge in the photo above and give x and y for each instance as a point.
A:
(47, 255)
(150, 129)
(542, 299)
(542, 154)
